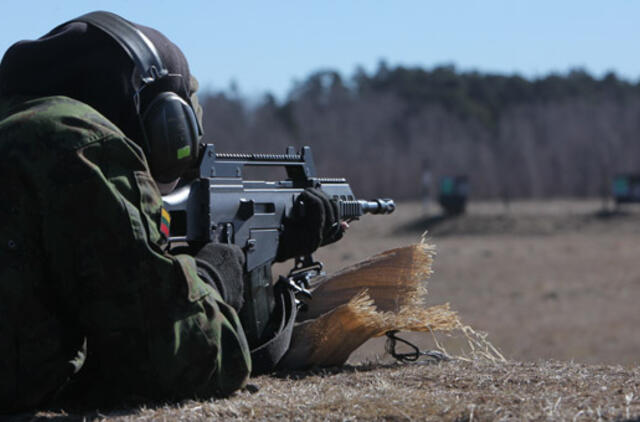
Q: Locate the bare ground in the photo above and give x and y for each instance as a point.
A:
(554, 284)
(546, 280)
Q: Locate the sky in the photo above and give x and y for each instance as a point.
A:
(265, 46)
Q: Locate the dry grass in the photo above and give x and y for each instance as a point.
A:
(452, 391)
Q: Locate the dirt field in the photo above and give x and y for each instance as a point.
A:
(554, 285)
(552, 280)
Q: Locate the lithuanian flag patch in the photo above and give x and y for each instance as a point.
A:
(165, 222)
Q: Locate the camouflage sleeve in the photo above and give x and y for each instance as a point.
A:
(152, 326)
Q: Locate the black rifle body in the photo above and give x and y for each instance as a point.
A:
(219, 205)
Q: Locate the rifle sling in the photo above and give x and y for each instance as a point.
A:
(265, 357)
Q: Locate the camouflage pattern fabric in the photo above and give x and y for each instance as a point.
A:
(82, 260)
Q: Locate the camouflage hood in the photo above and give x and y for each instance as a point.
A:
(79, 61)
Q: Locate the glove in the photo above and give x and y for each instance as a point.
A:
(221, 266)
(314, 222)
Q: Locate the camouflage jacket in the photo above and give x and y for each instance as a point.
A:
(82, 262)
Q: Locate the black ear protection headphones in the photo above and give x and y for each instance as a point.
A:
(169, 125)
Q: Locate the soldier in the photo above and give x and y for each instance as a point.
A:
(97, 118)
(84, 111)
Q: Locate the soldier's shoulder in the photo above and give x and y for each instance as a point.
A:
(62, 120)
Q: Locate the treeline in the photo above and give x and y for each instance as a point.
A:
(559, 135)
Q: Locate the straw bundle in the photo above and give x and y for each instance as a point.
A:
(383, 293)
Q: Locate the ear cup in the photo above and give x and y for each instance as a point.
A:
(171, 130)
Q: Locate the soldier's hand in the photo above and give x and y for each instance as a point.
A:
(221, 265)
(314, 222)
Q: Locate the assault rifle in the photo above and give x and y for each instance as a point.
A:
(220, 205)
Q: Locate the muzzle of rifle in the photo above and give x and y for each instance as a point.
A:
(357, 208)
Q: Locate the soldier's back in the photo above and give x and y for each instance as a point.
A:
(37, 346)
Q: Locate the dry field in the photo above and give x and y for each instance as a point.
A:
(454, 391)
(553, 284)
(545, 280)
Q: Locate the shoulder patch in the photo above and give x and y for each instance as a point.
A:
(165, 222)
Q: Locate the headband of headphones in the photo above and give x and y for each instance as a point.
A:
(139, 48)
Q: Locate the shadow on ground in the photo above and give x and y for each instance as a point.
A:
(351, 369)
(425, 223)
(55, 416)
(472, 224)
(84, 412)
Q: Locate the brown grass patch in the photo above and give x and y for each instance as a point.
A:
(452, 391)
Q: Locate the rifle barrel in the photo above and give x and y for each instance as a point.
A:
(357, 208)
(378, 206)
